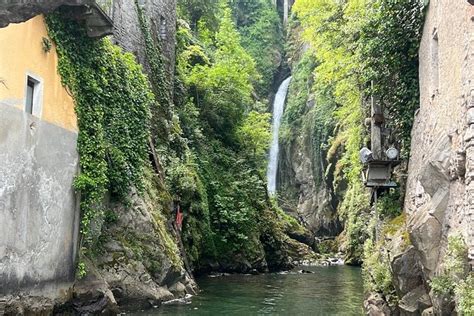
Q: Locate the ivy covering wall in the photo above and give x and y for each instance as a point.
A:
(113, 101)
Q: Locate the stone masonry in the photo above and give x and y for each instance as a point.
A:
(440, 188)
(161, 15)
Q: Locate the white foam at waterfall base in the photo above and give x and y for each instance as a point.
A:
(278, 107)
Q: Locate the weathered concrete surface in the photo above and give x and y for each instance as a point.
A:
(20, 11)
(440, 190)
(38, 211)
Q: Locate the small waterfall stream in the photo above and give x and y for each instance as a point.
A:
(278, 106)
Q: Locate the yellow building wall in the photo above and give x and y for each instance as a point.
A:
(21, 53)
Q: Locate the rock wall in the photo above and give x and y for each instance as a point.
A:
(440, 191)
(306, 192)
(162, 20)
(19, 11)
(312, 203)
(140, 264)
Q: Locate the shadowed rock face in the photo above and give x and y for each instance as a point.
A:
(15, 11)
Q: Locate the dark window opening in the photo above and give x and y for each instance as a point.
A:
(30, 93)
(162, 28)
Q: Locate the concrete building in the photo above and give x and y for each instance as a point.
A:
(39, 210)
(39, 214)
(38, 131)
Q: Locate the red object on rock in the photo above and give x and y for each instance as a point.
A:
(179, 218)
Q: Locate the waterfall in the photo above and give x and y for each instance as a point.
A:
(278, 106)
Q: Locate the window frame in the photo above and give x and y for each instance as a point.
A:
(37, 96)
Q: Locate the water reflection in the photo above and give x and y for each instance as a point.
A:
(327, 291)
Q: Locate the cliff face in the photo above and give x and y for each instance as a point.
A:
(305, 190)
(439, 198)
(139, 263)
(161, 16)
(440, 184)
(306, 193)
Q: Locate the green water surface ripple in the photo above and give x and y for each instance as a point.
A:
(333, 290)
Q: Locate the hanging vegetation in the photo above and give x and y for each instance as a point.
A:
(113, 101)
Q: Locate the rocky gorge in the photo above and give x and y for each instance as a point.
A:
(173, 106)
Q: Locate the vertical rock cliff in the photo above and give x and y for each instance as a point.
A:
(440, 189)
(305, 191)
(430, 253)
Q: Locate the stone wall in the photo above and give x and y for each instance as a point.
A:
(439, 181)
(162, 20)
(440, 190)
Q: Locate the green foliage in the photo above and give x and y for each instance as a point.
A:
(455, 280)
(389, 204)
(81, 270)
(376, 270)
(228, 215)
(113, 101)
(262, 36)
(397, 227)
(355, 211)
(255, 135)
(236, 196)
(196, 10)
(455, 264)
(298, 95)
(47, 44)
(353, 43)
(166, 129)
(185, 181)
(225, 86)
(442, 284)
(390, 39)
(464, 293)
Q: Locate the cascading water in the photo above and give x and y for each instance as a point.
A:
(278, 106)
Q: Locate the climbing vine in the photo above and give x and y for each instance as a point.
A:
(389, 43)
(162, 110)
(112, 101)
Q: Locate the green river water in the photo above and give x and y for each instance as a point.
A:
(335, 290)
